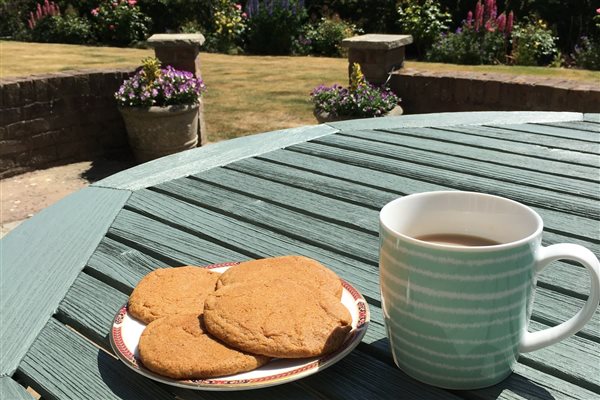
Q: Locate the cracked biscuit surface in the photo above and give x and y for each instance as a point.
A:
(277, 318)
(302, 270)
(168, 291)
(179, 347)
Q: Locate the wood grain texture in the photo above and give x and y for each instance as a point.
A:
(63, 365)
(257, 241)
(592, 117)
(204, 158)
(40, 260)
(455, 176)
(457, 118)
(180, 248)
(467, 164)
(578, 125)
(120, 265)
(557, 132)
(11, 390)
(532, 157)
(341, 239)
(524, 136)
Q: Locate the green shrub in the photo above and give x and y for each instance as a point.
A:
(273, 25)
(63, 29)
(178, 15)
(325, 37)
(469, 47)
(424, 20)
(229, 27)
(587, 53)
(533, 44)
(119, 22)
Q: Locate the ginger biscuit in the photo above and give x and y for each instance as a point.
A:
(277, 318)
(179, 347)
(302, 270)
(169, 291)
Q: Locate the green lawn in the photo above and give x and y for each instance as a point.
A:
(246, 94)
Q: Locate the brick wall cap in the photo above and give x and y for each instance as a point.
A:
(176, 39)
(377, 41)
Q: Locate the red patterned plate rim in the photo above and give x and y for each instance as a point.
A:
(299, 368)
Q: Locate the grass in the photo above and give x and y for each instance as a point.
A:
(246, 94)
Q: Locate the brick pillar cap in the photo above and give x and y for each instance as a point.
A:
(377, 41)
(176, 39)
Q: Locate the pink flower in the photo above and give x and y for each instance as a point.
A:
(469, 18)
(94, 12)
(244, 15)
(501, 22)
(111, 27)
(238, 6)
(597, 10)
(131, 2)
(509, 23)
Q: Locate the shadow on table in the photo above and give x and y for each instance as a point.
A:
(515, 383)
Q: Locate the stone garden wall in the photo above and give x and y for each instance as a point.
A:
(427, 92)
(59, 118)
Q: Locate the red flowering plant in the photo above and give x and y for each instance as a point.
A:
(120, 22)
(483, 38)
(43, 10)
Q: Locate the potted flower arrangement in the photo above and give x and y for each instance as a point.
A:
(360, 100)
(160, 107)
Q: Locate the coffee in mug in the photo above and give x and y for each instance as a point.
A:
(457, 274)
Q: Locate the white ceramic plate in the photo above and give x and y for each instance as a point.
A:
(126, 331)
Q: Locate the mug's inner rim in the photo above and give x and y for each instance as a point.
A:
(502, 220)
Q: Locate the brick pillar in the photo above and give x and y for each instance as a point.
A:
(377, 54)
(182, 51)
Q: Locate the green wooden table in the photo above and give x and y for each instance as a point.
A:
(316, 191)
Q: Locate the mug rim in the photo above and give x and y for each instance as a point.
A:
(473, 249)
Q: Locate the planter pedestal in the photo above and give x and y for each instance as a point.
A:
(323, 117)
(155, 132)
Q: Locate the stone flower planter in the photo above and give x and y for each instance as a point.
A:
(324, 117)
(159, 131)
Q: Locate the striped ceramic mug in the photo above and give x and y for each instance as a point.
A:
(456, 315)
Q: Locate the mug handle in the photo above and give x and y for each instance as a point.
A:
(545, 255)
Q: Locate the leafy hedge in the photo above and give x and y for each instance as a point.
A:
(568, 35)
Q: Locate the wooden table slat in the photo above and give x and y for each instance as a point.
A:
(535, 196)
(355, 216)
(554, 131)
(450, 163)
(121, 265)
(592, 117)
(257, 240)
(169, 243)
(554, 220)
(532, 157)
(63, 365)
(34, 282)
(11, 390)
(565, 148)
(459, 118)
(576, 125)
(344, 240)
